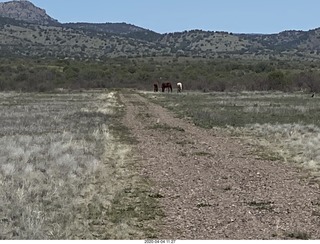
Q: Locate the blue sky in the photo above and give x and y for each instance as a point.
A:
(163, 16)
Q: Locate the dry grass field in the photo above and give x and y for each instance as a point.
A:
(67, 169)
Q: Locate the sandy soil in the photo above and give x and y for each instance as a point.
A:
(213, 187)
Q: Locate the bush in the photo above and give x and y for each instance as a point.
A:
(308, 81)
(276, 80)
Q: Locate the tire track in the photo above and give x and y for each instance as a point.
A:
(212, 187)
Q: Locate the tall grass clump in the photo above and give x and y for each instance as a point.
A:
(290, 142)
(41, 176)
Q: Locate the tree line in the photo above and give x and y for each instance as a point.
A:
(196, 74)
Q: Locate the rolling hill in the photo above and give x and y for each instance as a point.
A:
(26, 30)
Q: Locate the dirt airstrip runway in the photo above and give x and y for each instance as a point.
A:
(213, 187)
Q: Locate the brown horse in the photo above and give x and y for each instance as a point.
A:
(166, 85)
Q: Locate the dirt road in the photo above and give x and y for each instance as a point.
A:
(214, 187)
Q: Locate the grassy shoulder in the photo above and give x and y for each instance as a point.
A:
(279, 125)
(68, 170)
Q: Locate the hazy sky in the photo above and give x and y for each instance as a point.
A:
(238, 16)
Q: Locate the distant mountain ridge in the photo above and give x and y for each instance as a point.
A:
(26, 30)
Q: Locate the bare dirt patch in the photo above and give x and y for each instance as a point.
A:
(212, 187)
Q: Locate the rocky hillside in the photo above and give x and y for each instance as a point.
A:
(25, 10)
(123, 29)
(302, 45)
(26, 30)
(18, 38)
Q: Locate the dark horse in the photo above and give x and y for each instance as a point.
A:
(155, 87)
(166, 85)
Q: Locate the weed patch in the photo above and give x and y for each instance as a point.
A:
(201, 154)
(299, 235)
(264, 205)
(165, 127)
